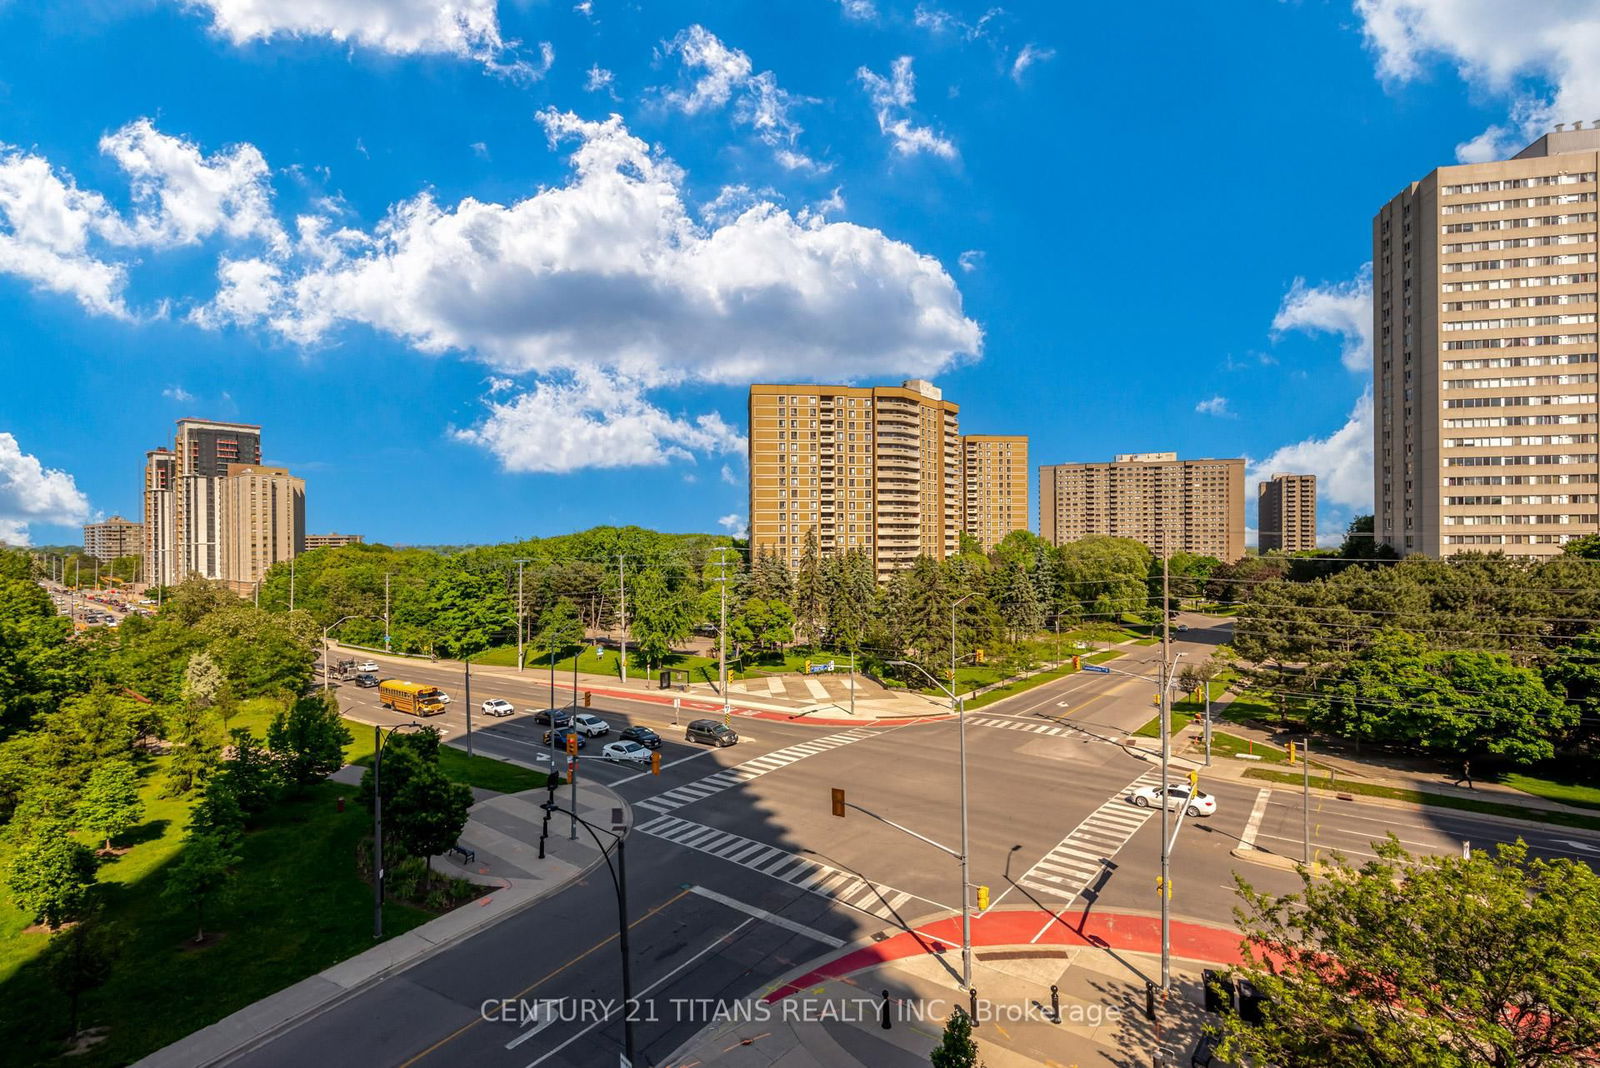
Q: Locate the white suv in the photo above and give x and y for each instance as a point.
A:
(497, 706)
(593, 726)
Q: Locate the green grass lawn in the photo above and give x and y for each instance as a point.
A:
(700, 668)
(1231, 745)
(297, 906)
(1152, 729)
(1469, 804)
(1571, 793)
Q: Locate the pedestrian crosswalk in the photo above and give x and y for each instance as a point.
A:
(844, 887)
(1031, 726)
(1079, 859)
(750, 769)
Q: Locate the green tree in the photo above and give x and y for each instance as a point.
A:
(203, 680)
(659, 616)
(79, 961)
(308, 740)
(1431, 962)
(763, 624)
(770, 578)
(200, 875)
(52, 877)
(252, 776)
(956, 1049)
(196, 738)
(1103, 577)
(85, 731)
(110, 803)
(560, 628)
(1017, 598)
(429, 812)
(218, 813)
(810, 592)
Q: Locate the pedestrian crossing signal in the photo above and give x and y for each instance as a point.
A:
(838, 802)
(655, 762)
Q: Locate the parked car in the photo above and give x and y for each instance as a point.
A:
(711, 732)
(442, 697)
(626, 753)
(593, 726)
(1200, 804)
(552, 717)
(367, 665)
(366, 680)
(1182, 627)
(497, 706)
(643, 735)
(558, 737)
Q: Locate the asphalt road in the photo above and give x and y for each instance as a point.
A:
(731, 885)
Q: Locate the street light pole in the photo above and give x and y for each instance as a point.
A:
(520, 610)
(722, 633)
(622, 615)
(958, 709)
(378, 743)
(466, 662)
(1166, 757)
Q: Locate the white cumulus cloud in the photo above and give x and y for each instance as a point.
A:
(1342, 461)
(734, 524)
(32, 493)
(1030, 55)
(859, 9)
(1343, 308)
(971, 259)
(599, 80)
(467, 29)
(177, 393)
(1216, 405)
(593, 420)
(892, 98)
(1498, 48)
(722, 74)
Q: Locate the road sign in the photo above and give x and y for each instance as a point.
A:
(1098, 669)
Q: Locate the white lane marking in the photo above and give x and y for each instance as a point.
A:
(646, 991)
(776, 920)
(539, 1025)
(739, 773)
(1078, 858)
(664, 767)
(1253, 826)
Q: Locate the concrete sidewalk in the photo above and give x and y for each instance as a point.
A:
(831, 1013)
(503, 831)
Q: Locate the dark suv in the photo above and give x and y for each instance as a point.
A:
(711, 732)
(366, 680)
(553, 717)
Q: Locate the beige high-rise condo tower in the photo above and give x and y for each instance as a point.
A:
(995, 483)
(1286, 513)
(114, 537)
(1194, 506)
(160, 561)
(877, 469)
(263, 521)
(203, 452)
(1484, 394)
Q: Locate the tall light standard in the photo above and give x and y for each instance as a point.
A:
(378, 744)
(520, 609)
(325, 630)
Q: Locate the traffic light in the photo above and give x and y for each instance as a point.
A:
(1156, 700)
(977, 656)
(1163, 886)
(1194, 781)
(983, 899)
(838, 802)
(655, 762)
(1077, 664)
(1291, 752)
(572, 744)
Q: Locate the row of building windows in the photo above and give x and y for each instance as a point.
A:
(1523, 480)
(1513, 442)
(1566, 258)
(1509, 383)
(1566, 319)
(1520, 461)
(1534, 282)
(1518, 224)
(1517, 302)
(1531, 498)
(1517, 183)
(1523, 202)
(1519, 420)
(1540, 520)
(1519, 342)
(1517, 242)
(1554, 360)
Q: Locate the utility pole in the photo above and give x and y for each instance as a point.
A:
(722, 633)
(386, 611)
(1305, 806)
(291, 584)
(958, 707)
(520, 611)
(622, 615)
(1166, 755)
(1207, 685)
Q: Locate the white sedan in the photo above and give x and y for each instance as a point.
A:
(1200, 804)
(497, 706)
(626, 753)
(367, 665)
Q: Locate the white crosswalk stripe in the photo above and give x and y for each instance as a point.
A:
(844, 887)
(1079, 858)
(750, 769)
(1032, 727)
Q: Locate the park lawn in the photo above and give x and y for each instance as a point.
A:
(1178, 721)
(297, 906)
(1468, 804)
(1231, 745)
(700, 668)
(1570, 793)
(1022, 685)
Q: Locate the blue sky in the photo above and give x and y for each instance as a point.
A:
(484, 271)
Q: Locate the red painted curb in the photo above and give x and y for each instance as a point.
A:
(755, 713)
(1128, 932)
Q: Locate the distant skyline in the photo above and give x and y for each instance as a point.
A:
(516, 267)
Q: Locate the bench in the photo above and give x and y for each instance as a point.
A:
(467, 855)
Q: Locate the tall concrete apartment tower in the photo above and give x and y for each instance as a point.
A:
(160, 561)
(995, 478)
(1170, 505)
(113, 538)
(1286, 513)
(262, 521)
(204, 450)
(1484, 354)
(876, 468)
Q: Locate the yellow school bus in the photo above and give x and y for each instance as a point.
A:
(414, 697)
